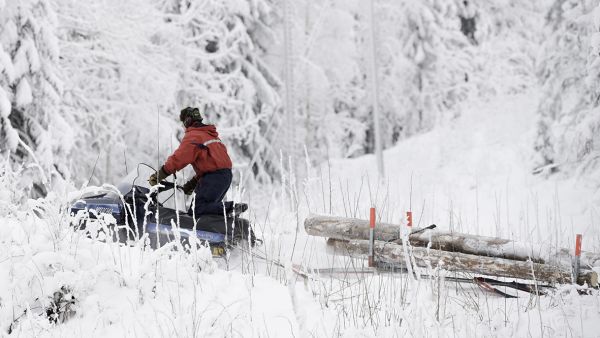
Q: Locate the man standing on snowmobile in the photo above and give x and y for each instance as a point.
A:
(202, 148)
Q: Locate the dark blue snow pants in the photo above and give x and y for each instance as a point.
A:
(210, 192)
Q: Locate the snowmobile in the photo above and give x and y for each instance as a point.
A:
(136, 211)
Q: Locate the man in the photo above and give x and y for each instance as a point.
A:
(202, 148)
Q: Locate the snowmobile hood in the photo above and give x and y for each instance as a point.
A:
(208, 128)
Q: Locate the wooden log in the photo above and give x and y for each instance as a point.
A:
(350, 229)
(393, 253)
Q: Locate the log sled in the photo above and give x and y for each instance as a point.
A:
(430, 248)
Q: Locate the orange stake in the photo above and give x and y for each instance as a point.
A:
(578, 245)
(409, 218)
(372, 218)
(372, 238)
(577, 262)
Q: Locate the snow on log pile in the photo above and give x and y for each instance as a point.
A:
(455, 251)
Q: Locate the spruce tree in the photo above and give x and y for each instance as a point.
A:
(30, 88)
(568, 72)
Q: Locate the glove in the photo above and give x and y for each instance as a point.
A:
(189, 186)
(157, 177)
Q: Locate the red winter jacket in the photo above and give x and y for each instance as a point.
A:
(199, 149)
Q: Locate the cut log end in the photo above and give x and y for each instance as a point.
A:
(590, 278)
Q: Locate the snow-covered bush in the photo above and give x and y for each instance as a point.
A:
(50, 273)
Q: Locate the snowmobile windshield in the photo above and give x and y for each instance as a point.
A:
(139, 177)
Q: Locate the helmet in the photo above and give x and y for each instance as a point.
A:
(190, 115)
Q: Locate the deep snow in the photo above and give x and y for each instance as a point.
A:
(470, 175)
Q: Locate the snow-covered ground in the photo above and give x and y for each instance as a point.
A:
(471, 175)
(474, 175)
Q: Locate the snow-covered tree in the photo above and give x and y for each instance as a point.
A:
(569, 72)
(424, 63)
(30, 87)
(132, 66)
(510, 33)
(217, 48)
(128, 67)
(121, 83)
(330, 84)
(429, 68)
(422, 58)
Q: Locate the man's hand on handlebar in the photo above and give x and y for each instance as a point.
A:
(157, 177)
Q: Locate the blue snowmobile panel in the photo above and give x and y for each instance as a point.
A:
(209, 228)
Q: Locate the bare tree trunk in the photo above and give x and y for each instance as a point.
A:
(375, 91)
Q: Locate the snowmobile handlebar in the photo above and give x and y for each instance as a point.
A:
(166, 186)
(163, 186)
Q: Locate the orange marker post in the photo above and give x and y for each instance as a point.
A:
(372, 218)
(578, 240)
(409, 218)
(371, 237)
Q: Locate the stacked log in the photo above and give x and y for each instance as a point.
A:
(455, 251)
